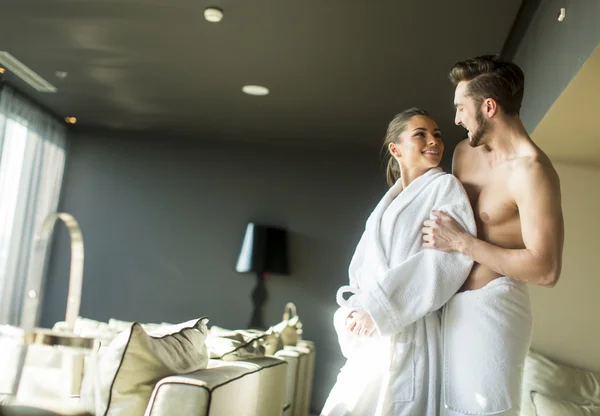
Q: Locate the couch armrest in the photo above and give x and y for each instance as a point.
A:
(244, 388)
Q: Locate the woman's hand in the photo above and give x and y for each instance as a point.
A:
(360, 323)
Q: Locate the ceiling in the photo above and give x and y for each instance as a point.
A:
(570, 130)
(338, 70)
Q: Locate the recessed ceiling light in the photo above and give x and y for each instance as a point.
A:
(70, 120)
(213, 14)
(61, 74)
(22, 71)
(258, 90)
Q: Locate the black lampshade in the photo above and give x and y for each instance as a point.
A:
(264, 250)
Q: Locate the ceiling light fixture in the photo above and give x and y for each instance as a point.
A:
(213, 14)
(22, 71)
(61, 74)
(70, 120)
(257, 90)
(2, 71)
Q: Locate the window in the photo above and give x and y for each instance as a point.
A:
(11, 167)
(32, 158)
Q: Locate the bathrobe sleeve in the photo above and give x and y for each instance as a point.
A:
(357, 260)
(349, 342)
(426, 280)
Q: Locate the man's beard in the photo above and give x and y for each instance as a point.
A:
(482, 128)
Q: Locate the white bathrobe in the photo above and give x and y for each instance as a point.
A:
(402, 286)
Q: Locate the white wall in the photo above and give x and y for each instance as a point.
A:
(566, 317)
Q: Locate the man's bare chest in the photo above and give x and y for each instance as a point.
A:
(491, 199)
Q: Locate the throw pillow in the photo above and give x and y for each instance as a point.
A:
(548, 406)
(229, 345)
(135, 361)
(554, 379)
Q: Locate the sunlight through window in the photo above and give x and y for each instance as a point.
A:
(11, 169)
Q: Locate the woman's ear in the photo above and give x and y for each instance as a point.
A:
(394, 149)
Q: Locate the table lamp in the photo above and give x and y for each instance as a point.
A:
(264, 251)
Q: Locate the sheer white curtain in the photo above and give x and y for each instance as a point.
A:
(32, 160)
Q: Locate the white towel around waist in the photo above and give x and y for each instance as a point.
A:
(486, 335)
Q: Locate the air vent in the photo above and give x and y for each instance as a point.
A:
(22, 71)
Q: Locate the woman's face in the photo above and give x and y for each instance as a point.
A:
(420, 146)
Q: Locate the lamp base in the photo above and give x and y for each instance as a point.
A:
(259, 296)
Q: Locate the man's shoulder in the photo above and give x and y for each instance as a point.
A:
(536, 164)
(462, 147)
(464, 143)
(462, 152)
(534, 170)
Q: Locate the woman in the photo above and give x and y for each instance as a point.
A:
(389, 327)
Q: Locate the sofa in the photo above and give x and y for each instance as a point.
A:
(551, 388)
(274, 385)
(248, 382)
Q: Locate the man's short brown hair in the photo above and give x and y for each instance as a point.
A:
(491, 77)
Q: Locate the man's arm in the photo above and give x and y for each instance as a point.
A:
(537, 196)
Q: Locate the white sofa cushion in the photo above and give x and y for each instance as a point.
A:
(135, 361)
(547, 406)
(558, 382)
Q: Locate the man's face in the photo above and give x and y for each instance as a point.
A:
(469, 115)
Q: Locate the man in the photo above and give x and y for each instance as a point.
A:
(515, 194)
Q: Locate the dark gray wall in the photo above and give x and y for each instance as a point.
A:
(551, 52)
(163, 221)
